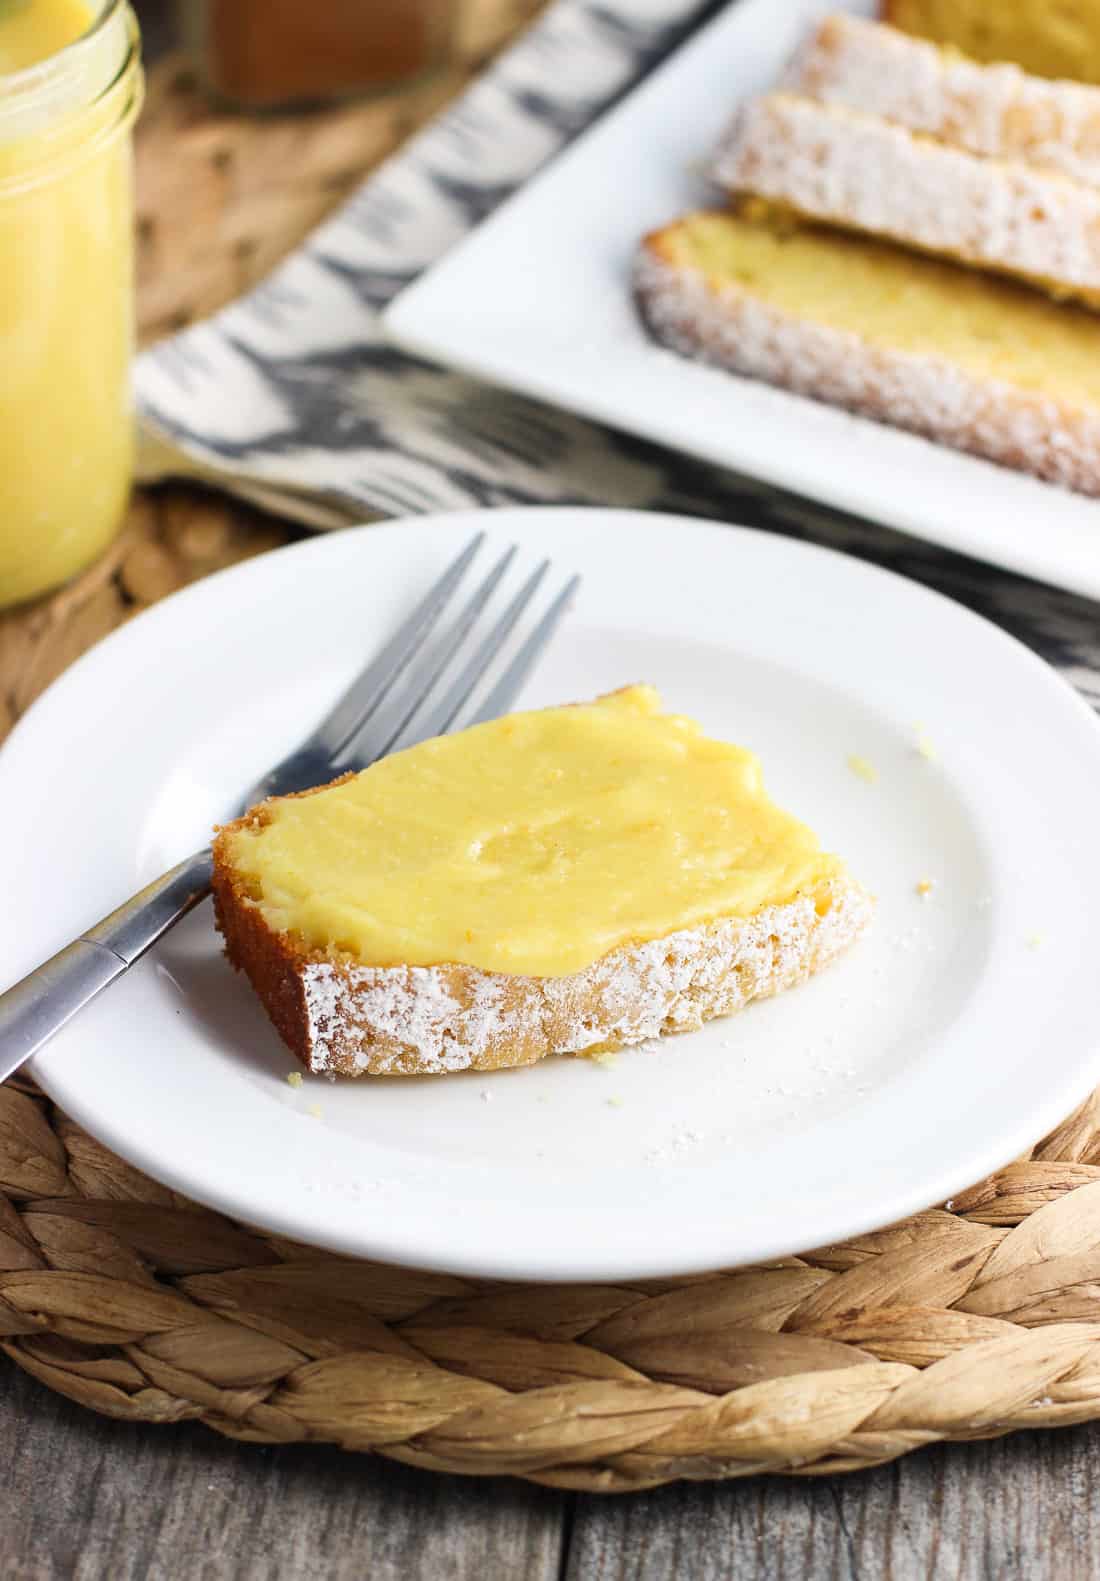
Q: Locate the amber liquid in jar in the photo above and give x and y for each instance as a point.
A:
(272, 54)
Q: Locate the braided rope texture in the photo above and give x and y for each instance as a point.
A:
(963, 1322)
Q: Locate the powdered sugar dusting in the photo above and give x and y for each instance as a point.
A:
(856, 170)
(451, 1018)
(997, 111)
(731, 329)
(411, 1004)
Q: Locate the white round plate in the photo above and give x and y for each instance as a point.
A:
(954, 1034)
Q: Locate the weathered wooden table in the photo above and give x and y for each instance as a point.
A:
(85, 1497)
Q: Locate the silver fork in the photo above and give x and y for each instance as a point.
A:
(391, 704)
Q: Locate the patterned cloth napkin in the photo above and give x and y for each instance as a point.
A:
(292, 397)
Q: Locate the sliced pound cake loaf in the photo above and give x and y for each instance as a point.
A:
(971, 360)
(1053, 38)
(830, 163)
(997, 111)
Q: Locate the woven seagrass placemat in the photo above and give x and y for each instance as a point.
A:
(963, 1322)
(959, 1323)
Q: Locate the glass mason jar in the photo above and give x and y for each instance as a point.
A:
(66, 284)
(285, 54)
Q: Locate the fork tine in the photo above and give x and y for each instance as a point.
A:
(443, 714)
(503, 694)
(375, 738)
(371, 685)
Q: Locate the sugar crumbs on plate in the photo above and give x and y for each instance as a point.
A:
(863, 769)
(678, 1142)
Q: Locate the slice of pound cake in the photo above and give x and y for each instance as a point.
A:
(996, 111)
(1053, 38)
(562, 881)
(973, 361)
(831, 163)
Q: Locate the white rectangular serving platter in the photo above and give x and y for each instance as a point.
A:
(538, 299)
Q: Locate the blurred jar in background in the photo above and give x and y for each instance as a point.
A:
(279, 54)
(70, 87)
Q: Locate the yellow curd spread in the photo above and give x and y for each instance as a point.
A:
(32, 30)
(533, 844)
(70, 85)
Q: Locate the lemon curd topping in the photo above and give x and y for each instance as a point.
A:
(533, 844)
(70, 85)
(32, 30)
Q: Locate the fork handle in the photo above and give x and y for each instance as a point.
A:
(42, 1002)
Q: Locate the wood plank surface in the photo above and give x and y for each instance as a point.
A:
(86, 1499)
(83, 1498)
(1016, 1509)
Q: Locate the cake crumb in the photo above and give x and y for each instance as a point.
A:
(614, 1103)
(863, 769)
(924, 746)
(314, 1111)
(1035, 941)
(294, 1078)
(925, 887)
(607, 1060)
(681, 1138)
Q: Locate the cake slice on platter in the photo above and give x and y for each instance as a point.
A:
(1053, 38)
(997, 111)
(967, 359)
(856, 170)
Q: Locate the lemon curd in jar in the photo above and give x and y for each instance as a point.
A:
(70, 85)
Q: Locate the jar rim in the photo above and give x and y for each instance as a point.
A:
(61, 75)
(58, 112)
